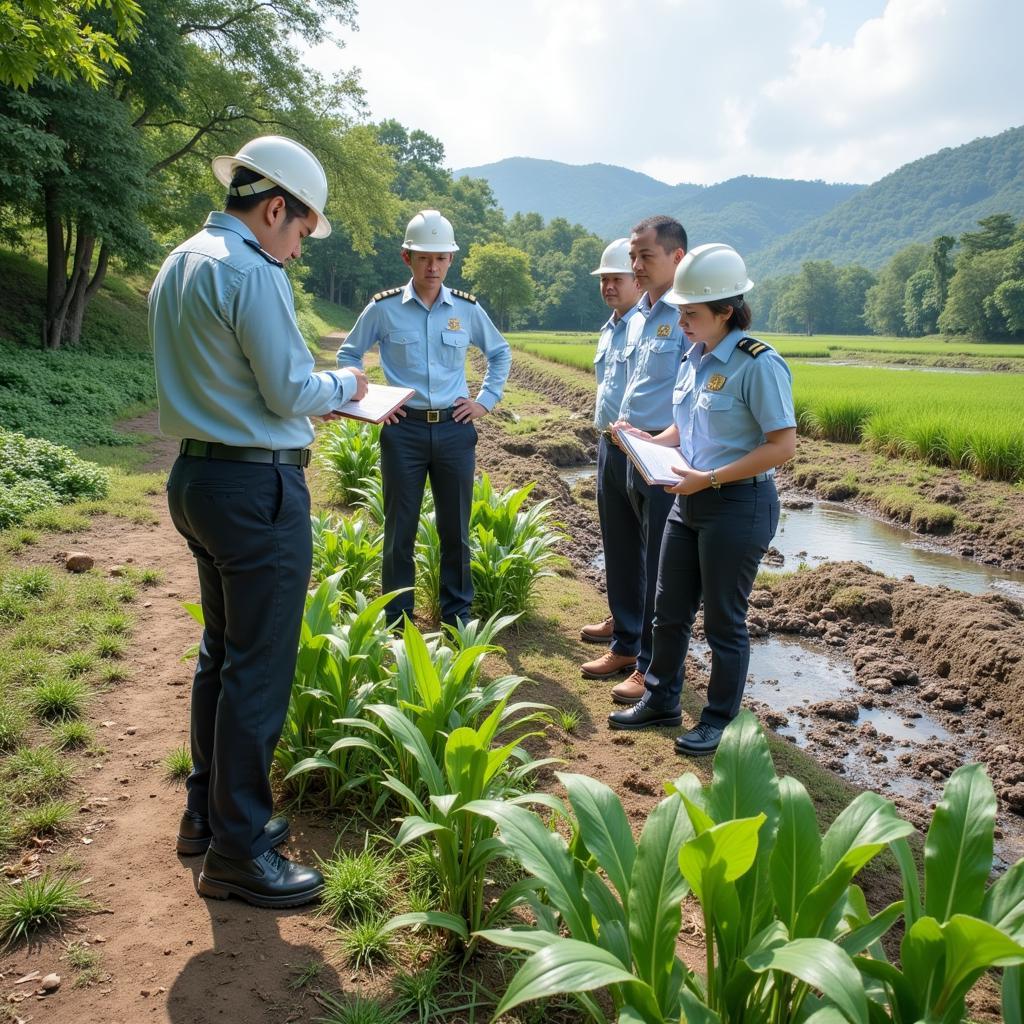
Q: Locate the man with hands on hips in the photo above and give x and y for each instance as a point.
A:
(424, 331)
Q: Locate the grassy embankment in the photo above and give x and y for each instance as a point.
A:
(957, 420)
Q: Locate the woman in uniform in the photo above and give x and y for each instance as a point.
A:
(733, 421)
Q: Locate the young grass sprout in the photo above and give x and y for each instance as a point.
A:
(357, 885)
(366, 943)
(39, 904)
(178, 763)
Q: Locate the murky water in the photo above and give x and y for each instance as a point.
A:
(833, 532)
(572, 475)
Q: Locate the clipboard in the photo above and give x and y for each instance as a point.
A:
(653, 461)
(379, 402)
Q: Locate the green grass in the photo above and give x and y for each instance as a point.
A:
(356, 885)
(33, 775)
(51, 818)
(72, 735)
(355, 1010)
(39, 904)
(58, 699)
(365, 943)
(178, 763)
(797, 345)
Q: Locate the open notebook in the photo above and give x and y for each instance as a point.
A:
(379, 402)
(654, 461)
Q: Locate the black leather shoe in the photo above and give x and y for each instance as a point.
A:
(268, 880)
(642, 716)
(194, 833)
(703, 739)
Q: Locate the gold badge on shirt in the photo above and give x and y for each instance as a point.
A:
(716, 383)
(665, 331)
(454, 324)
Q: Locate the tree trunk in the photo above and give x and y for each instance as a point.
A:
(62, 290)
(85, 289)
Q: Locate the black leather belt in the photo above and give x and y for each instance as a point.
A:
(232, 453)
(759, 479)
(431, 415)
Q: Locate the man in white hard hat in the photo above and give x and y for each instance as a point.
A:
(424, 331)
(236, 384)
(656, 341)
(611, 365)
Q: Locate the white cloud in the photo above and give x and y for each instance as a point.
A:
(689, 91)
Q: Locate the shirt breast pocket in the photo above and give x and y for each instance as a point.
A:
(712, 402)
(681, 392)
(664, 357)
(403, 347)
(453, 349)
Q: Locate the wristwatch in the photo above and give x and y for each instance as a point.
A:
(714, 480)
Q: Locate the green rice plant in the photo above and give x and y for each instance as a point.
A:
(839, 419)
(348, 451)
(108, 646)
(58, 698)
(357, 884)
(349, 548)
(72, 735)
(78, 663)
(178, 763)
(32, 775)
(343, 658)
(366, 943)
(51, 818)
(510, 547)
(356, 1010)
(13, 723)
(39, 904)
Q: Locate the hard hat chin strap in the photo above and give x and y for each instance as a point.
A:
(252, 189)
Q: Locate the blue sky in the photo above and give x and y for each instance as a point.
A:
(687, 90)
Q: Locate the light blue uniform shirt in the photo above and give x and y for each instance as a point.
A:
(611, 364)
(231, 365)
(657, 344)
(425, 349)
(726, 400)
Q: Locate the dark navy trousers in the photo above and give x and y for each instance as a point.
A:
(632, 516)
(248, 527)
(411, 451)
(713, 544)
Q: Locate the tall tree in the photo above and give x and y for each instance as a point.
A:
(501, 274)
(884, 301)
(996, 232)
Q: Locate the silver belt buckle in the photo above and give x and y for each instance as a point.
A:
(433, 415)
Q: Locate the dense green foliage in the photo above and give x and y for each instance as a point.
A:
(788, 935)
(35, 474)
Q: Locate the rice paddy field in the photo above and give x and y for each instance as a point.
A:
(970, 421)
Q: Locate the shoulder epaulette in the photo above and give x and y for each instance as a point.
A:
(752, 346)
(463, 295)
(387, 293)
(253, 244)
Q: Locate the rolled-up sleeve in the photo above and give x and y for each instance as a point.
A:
(264, 323)
(496, 349)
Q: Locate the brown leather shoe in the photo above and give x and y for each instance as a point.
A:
(630, 690)
(598, 632)
(608, 665)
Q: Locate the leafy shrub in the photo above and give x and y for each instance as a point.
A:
(349, 548)
(788, 935)
(349, 452)
(36, 474)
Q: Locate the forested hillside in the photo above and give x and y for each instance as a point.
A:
(946, 193)
(745, 211)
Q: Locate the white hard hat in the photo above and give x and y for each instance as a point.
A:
(428, 231)
(707, 273)
(283, 162)
(615, 259)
